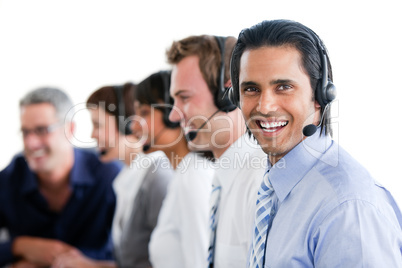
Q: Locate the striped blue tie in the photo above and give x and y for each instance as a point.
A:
(262, 222)
(213, 219)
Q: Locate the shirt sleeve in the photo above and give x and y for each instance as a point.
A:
(6, 256)
(357, 234)
(193, 196)
(159, 182)
(164, 246)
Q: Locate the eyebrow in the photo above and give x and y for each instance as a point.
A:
(248, 83)
(179, 92)
(281, 81)
(273, 82)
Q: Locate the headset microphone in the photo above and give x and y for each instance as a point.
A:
(309, 130)
(191, 135)
(147, 146)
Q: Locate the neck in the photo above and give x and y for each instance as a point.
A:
(59, 176)
(273, 159)
(237, 128)
(130, 148)
(177, 152)
(55, 183)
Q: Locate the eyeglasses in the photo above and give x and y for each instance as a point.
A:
(41, 131)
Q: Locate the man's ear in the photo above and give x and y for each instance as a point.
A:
(317, 106)
(228, 83)
(70, 129)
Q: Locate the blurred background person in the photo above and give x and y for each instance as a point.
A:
(50, 194)
(152, 105)
(200, 79)
(180, 238)
(140, 187)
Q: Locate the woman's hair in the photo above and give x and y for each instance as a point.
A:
(154, 91)
(116, 100)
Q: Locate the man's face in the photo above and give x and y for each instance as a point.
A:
(193, 103)
(45, 137)
(276, 98)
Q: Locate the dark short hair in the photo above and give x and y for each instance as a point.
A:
(275, 33)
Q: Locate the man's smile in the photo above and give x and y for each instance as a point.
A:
(267, 126)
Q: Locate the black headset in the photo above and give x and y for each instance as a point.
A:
(121, 110)
(221, 99)
(325, 91)
(165, 76)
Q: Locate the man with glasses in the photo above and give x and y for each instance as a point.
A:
(54, 197)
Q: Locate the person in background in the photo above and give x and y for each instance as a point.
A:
(51, 193)
(181, 236)
(140, 187)
(200, 77)
(152, 106)
(317, 206)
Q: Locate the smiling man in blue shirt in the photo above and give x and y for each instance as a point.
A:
(54, 198)
(317, 206)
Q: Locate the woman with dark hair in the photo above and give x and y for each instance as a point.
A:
(181, 236)
(152, 104)
(140, 187)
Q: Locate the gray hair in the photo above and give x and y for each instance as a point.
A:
(56, 97)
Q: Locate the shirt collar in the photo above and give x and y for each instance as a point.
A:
(290, 169)
(82, 171)
(79, 174)
(227, 166)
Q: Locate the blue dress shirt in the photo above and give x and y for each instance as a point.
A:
(330, 211)
(85, 221)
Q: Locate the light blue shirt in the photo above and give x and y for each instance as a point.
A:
(330, 211)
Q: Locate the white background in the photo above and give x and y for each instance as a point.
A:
(80, 45)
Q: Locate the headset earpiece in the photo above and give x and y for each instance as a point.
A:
(330, 92)
(165, 75)
(222, 100)
(326, 90)
(124, 127)
(231, 96)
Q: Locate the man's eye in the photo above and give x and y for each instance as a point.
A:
(183, 97)
(284, 87)
(250, 90)
(41, 131)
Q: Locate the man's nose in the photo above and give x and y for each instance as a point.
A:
(268, 102)
(31, 140)
(175, 115)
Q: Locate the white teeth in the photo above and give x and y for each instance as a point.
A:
(268, 125)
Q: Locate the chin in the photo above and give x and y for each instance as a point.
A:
(39, 168)
(193, 147)
(36, 165)
(198, 144)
